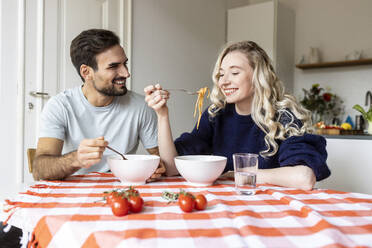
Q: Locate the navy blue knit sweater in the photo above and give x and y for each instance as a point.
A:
(228, 133)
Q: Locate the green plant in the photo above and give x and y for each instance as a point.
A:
(366, 115)
(323, 105)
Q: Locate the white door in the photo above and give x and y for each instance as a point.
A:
(50, 26)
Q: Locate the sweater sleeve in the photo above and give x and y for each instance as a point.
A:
(199, 141)
(309, 150)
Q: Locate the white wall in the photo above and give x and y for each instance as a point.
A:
(176, 43)
(336, 27)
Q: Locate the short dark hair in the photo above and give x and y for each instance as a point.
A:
(88, 44)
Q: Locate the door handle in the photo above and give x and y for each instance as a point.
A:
(39, 94)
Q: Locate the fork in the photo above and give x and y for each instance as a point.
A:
(183, 90)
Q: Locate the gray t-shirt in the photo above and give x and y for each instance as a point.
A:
(70, 117)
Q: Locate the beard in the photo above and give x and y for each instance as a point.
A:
(111, 90)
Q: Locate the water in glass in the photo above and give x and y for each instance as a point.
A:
(245, 172)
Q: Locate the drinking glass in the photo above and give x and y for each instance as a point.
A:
(245, 172)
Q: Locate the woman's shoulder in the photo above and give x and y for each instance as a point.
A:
(287, 117)
(308, 138)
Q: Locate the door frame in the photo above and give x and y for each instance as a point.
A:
(125, 35)
(20, 92)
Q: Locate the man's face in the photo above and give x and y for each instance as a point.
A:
(110, 77)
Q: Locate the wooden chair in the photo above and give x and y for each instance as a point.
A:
(30, 157)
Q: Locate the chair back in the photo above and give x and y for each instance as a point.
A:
(30, 157)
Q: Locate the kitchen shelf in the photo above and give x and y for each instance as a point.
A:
(335, 64)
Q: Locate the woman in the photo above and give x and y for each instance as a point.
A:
(249, 113)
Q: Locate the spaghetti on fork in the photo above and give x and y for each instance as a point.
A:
(199, 102)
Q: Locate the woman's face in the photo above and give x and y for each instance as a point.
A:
(235, 80)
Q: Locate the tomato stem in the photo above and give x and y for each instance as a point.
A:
(170, 196)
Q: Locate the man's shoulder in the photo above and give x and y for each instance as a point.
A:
(67, 94)
(67, 99)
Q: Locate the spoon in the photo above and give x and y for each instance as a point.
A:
(112, 149)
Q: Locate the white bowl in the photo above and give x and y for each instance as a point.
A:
(135, 170)
(200, 170)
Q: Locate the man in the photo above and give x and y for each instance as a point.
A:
(80, 122)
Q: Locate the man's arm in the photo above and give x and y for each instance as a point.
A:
(49, 164)
(161, 168)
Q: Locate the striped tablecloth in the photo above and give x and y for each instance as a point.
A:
(68, 214)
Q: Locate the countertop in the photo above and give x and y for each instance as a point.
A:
(359, 137)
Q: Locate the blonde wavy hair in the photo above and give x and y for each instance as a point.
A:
(270, 102)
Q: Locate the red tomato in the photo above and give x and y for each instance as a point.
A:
(183, 194)
(200, 202)
(186, 202)
(135, 204)
(120, 206)
(132, 191)
(110, 197)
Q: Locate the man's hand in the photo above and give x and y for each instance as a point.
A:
(158, 173)
(90, 151)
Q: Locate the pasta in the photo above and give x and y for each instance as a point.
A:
(199, 102)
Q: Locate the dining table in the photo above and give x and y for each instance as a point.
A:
(73, 213)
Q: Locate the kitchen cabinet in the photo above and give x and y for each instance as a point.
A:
(335, 64)
(350, 162)
(271, 25)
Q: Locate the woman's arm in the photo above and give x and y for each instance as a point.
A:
(156, 98)
(307, 154)
(300, 176)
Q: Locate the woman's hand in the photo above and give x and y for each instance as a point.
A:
(156, 98)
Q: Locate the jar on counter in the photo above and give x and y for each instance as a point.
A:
(359, 122)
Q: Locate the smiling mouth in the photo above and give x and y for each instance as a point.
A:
(230, 91)
(119, 82)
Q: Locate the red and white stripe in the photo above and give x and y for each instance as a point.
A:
(69, 214)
